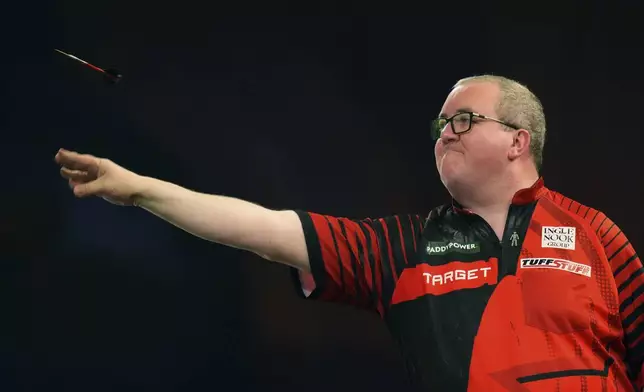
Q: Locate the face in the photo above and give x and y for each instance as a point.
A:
(469, 159)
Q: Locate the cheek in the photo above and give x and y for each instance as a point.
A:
(484, 149)
(487, 156)
(439, 149)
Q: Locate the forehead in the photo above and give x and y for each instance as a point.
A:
(480, 97)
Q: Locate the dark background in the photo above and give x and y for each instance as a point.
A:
(328, 114)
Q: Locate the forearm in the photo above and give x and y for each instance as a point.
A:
(274, 235)
(225, 220)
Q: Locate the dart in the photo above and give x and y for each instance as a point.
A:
(110, 75)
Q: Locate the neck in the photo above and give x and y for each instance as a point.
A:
(492, 201)
(496, 195)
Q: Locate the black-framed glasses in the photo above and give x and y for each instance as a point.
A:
(462, 123)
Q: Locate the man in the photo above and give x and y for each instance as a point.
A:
(511, 287)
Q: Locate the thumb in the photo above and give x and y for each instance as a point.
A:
(87, 189)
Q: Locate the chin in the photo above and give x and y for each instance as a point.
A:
(453, 177)
(455, 185)
(448, 170)
(448, 181)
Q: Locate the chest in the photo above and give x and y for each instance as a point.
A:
(546, 275)
(543, 254)
(469, 300)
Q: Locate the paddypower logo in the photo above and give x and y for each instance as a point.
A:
(441, 248)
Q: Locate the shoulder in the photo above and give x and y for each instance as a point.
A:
(589, 217)
(440, 212)
(446, 219)
(398, 219)
(595, 225)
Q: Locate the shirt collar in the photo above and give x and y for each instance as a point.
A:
(522, 197)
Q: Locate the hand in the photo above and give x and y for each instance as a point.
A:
(92, 176)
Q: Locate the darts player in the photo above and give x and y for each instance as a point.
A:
(511, 286)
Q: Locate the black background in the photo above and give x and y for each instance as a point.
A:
(328, 114)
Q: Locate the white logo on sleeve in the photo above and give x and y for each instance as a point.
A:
(558, 237)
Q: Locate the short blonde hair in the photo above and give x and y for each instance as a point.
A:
(518, 106)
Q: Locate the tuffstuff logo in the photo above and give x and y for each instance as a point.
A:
(558, 237)
(441, 248)
(558, 264)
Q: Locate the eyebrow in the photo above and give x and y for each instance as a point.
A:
(461, 110)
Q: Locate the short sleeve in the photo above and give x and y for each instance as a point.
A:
(628, 273)
(356, 261)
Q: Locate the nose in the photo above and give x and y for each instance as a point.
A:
(448, 135)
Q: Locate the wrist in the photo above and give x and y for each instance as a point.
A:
(144, 191)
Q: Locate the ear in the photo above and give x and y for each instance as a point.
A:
(520, 144)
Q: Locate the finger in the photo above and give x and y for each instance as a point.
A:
(78, 176)
(86, 189)
(76, 161)
(73, 184)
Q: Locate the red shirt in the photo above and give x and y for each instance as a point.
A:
(557, 305)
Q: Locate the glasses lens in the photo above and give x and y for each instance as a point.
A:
(461, 123)
(437, 127)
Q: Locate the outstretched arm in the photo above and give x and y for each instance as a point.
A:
(354, 261)
(273, 235)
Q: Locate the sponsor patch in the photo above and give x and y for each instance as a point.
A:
(441, 248)
(561, 237)
(424, 279)
(558, 264)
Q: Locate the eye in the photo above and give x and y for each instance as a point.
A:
(439, 124)
(462, 118)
